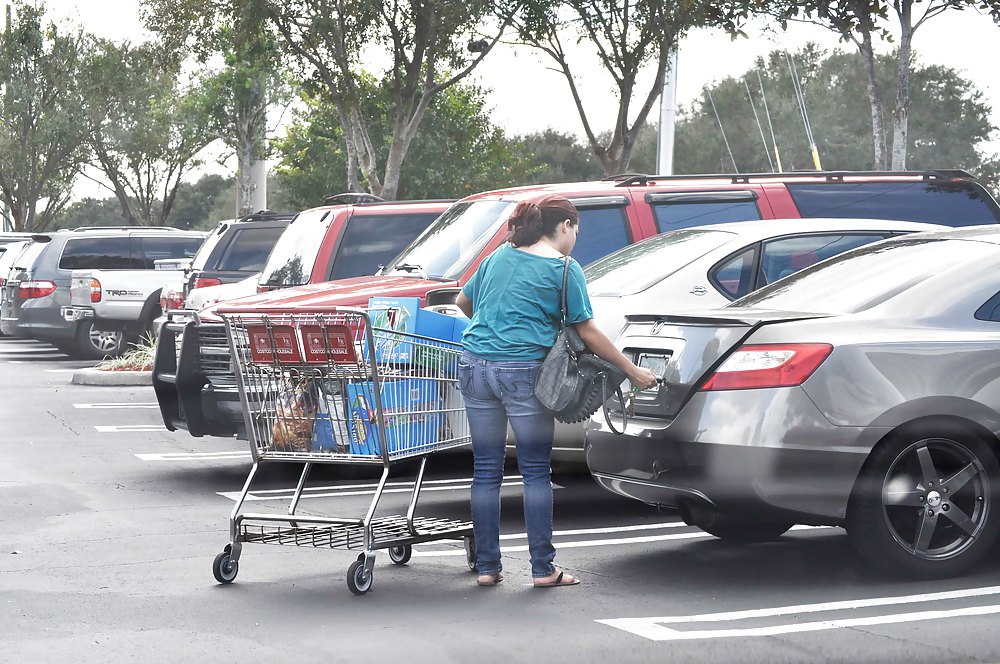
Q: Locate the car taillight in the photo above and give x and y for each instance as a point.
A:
(205, 282)
(95, 290)
(170, 300)
(261, 288)
(32, 289)
(771, 365)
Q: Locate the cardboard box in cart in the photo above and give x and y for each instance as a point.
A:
(411, 408)
(403, 314)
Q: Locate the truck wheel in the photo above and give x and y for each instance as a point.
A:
(93, 343)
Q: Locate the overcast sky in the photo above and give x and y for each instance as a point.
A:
(527, 96)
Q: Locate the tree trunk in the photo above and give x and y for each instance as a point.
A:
(874, 101)
(900, 114)
(244, 182)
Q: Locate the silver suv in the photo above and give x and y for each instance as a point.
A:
(35, 293)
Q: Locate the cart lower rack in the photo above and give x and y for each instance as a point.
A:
(330, 387)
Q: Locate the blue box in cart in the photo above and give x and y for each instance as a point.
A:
(403, 314)
(412, 408)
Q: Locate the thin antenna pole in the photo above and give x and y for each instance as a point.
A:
(719, 120)
(760, 127)
(800, 98)
(767, 114)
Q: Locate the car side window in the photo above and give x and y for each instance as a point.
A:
(990, 311)
(734, 277)
(157, 248)
(97, 253)
(249, 248)
(788, 255)
(602, 231)
(671, 216)
(373, 240)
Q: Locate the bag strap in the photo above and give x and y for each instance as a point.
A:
(565, 282)
(621, 400)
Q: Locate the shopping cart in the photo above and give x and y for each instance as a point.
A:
(328, 386)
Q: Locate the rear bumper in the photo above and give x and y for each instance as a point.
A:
(75, 314)
(763, 453)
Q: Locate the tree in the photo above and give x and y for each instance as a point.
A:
(559, 157)
(459, 149)
(628, 35)
(861, 22)
(251, 81)
(42, 145)
(429, 45)
(949, 119)
(145, 129)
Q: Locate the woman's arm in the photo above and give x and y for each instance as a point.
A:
(465, 304)
(603, 347)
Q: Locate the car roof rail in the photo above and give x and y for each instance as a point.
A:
(640, 179)
(349, 197)
(87, 229)
(265, 215)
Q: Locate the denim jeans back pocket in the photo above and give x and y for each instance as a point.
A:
(517, 383)
(465, 379)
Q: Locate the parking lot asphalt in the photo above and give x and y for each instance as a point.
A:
(109, 524)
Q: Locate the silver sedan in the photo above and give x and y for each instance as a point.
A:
(708, 267)
(861, 392)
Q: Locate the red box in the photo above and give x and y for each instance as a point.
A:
(338, 347)
(286, 344)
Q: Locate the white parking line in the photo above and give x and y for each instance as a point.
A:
(583, 544)
(192, 456)
(457, 484)
(116, 406)
(131, 428)
(655, 629)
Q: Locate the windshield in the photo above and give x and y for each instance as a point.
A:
(449, 245)
(291, 261)
(637, 267)
(201, 257)
(27, 258)
(860, 279)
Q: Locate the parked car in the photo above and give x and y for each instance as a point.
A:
(124, 304)
(10, 253)
(353, 235)
(863, 392)
(613, 214)
(708, 267)
(39, 291)
(236, 249)
(18, 262)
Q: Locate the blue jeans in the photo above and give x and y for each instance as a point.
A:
(494, 393)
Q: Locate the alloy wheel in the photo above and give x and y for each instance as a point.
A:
(105, 341)
(936, 498)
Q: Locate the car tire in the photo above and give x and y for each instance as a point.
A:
(96, 344)
(925, 503)
(742, 531)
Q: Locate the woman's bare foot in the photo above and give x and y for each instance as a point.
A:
(558, 578)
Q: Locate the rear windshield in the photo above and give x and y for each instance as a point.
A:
(97, 253)
(637, 267)
(291, 261)
(862, 278)
(200, 259)
(249, 249)
(371, 241)
(949, 203)
(161, 248)
(448, 247)
(26, 260)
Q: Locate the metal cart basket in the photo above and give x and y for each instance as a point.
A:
(342, 386)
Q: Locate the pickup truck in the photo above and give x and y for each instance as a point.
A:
(614, 213)
(120, 303)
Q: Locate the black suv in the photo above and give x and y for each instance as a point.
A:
(236, 249)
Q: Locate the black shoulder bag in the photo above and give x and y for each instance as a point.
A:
(573, 382)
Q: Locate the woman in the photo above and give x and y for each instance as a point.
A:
(514, 302)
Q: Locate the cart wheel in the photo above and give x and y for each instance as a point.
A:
(400, 554)
(470, 552)
(357, 580)
(225, 568)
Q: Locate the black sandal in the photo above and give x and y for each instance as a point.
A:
(557, 582)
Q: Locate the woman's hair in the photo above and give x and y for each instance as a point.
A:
(530, 221)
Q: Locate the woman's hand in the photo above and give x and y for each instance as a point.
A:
(642, 378)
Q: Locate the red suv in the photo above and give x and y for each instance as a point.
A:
(618, 212)
(353, 235)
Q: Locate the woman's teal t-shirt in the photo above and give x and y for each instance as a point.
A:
(516, 304)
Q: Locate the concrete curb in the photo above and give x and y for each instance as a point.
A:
(90, 376)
